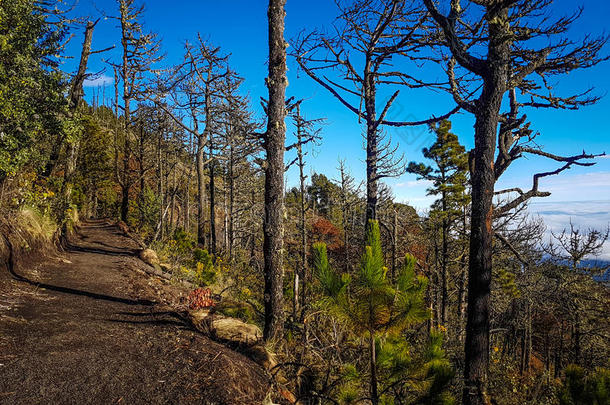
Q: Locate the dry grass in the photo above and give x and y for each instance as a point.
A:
(36, 226)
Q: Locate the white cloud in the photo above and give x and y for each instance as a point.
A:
(592, 186)
(594, 179)
(414, 183)
(96, 81)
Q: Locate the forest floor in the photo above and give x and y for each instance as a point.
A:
(88, 326)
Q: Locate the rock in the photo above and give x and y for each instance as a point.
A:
(235, 331)
(245, 337)
(149, 257)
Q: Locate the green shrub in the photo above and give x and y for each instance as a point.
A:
(236, 309)
(585, 388)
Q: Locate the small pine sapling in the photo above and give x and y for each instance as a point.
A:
(379, 311)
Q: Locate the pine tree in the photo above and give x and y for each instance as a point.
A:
(449, 177)
(379, 311)
(31, 87)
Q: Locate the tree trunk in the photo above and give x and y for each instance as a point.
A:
(212, 203)
(559, 354)
(373, 365)
(528, 336)
(200, 192)
(302, 295)
(444, 261)
(141, 157)
(462, 287)
(76, 95)
(479, 271)
(273, 227)
(495, 80)
(231, 202)
(126, 184)
(160, 186)
(577, 350)
(462, 303)
(371, 149)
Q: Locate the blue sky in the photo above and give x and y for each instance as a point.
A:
(239, 28)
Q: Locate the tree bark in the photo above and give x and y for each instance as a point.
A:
(212, 203)
(495, 81)
(126, 183)
(200, 191)
(373, 365)
(273, 227)
(231, 202)
(444, 256)
(160, 186)
(481, 233)
(371, 145)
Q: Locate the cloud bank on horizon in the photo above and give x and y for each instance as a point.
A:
(583, 214)
(583, 198)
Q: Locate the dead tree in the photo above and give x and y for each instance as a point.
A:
(492, 54)
(139, 52)
(274, 139)
(238, 125)
(306, 133)
(192, 90)
(75, 97)
(348, 197)
(369, 36)
(217, 141)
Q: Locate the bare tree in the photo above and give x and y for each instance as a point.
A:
(348, 197)
(492, 53)
(193, 89)
(572, 246)
(139, 52)
(369, 34)
(306, 132)
(75, 98)
(575, 245)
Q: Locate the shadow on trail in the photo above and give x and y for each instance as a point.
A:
(70, 247)
(10, 265)
(74, 291)
(158, 319)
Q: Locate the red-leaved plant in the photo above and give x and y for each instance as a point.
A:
(201, 298)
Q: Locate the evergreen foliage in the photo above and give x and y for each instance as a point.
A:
(449, 175)
(379, 311)
(582, 388)
(31, 86)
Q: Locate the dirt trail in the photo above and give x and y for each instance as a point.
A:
(89, 327)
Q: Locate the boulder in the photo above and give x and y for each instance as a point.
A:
(149, 257)
(234, 331)
(245, 337)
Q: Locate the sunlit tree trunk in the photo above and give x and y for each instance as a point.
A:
(273, 227)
